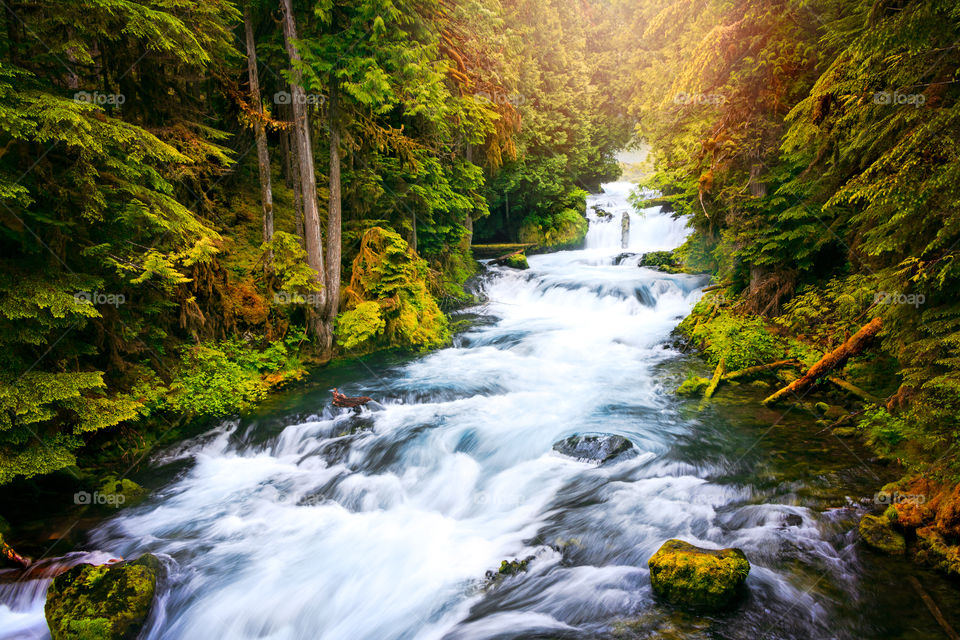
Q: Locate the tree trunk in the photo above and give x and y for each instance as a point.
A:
(308, 179)
(854, 345)
(334, 213)
(263, 155)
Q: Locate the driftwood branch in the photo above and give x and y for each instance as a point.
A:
(348, 402)
(761, 368)
(855, 390)
(934, 609)
(854, 345)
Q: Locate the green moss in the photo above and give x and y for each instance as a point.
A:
(516, 261)
(741, 341)
(701, 578)
(388, 274)
(360, 324)
(564, 230)
(513, 567)
(664, 261)
(128, 491)
(104, 602)
(879, 534)
(693, 386)
(933, 550)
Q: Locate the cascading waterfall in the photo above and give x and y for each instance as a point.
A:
(317, 525)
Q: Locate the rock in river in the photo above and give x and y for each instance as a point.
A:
(102, 602)
(595, 448)
(878, 533)
(695, 577)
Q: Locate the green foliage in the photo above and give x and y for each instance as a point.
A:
(388, 273)
(360, 324)
(218, 379)
(741, 341)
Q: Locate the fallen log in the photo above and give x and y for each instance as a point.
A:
(349, 402)
(854, 345)
(717, 376)
(855, 390)
(933, 608)
(7, 553)
(761, 368)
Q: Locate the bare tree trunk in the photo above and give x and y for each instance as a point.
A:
(334, 212)
(263, 155)
(308, 179)
(293, 176)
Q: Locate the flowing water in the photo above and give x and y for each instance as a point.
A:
(300, 523)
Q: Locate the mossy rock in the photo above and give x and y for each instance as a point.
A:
(933, 550)
(514, 261)
(694, 386)
(102, 602)
(126, 491)
(690, 576)
(878, 533)
(663, 261)
(845, 432)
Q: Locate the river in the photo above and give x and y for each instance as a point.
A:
(299, 523)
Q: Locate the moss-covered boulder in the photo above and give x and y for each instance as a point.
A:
(514, 261)
(121, 492)
(102, 602)
(879, 534)
(694, 386)
(933, 550)
(664, 261)
(690, 576)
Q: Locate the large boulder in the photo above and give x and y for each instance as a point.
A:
(594, 448)
(878, 533)
(691, 576)
(102, 602)
(514, 261)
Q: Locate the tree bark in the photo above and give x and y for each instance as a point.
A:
(854, 345)
(263, 155)
(308, 179)
(334, 212)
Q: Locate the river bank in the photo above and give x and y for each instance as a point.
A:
(300, 521)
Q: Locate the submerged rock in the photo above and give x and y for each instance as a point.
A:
(691, 576)
(102, 602)
(595, 448)
(878, 533)
(626, 255)
(693, 386)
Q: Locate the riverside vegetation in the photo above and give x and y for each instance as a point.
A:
(811, 145)
(203, 200)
